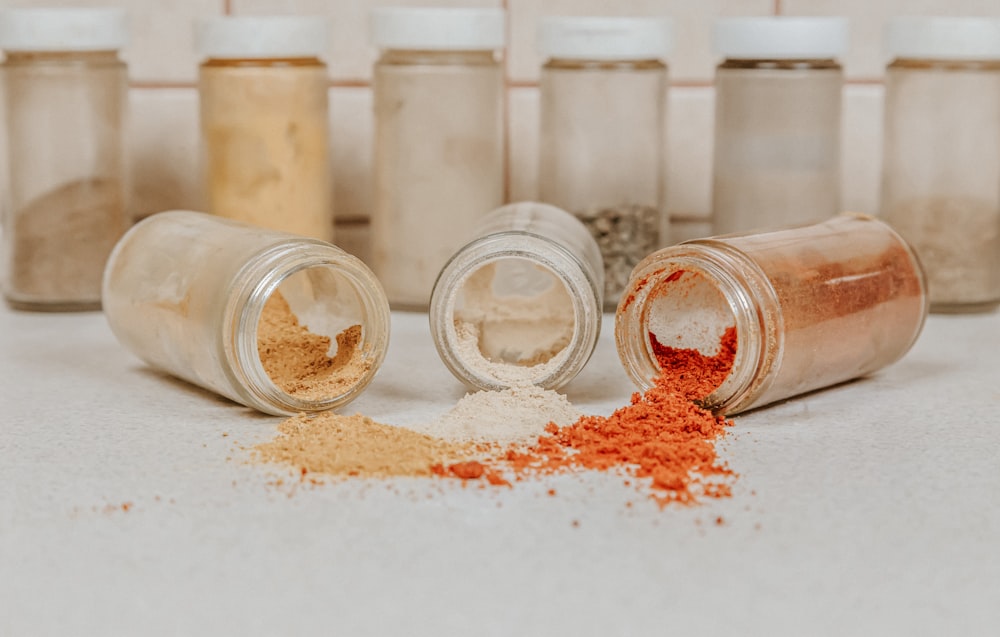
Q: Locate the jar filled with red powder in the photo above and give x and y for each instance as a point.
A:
(807, 307)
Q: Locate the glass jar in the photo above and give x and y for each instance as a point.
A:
(941, 163)
(438, 140)
(265, 122)
(810, 306)
(604, 159)
(777, 122)
(65, 102)
(521, 303)
(186, 292)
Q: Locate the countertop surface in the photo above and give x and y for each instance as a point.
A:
(127, 507)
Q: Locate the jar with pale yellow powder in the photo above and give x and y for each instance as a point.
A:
(265, 123)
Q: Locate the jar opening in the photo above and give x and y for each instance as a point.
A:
(513, 319)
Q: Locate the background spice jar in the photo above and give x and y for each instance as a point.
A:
(438, 140)
(64, 97)
(941, 161)
(777, 121)
(520, 304)
(603, 133)
(809, 306)
(197, 297)
(265, 122)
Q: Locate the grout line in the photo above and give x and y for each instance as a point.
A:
(506, 101)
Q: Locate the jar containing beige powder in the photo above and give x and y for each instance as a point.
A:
(265, 122)
(521, 303)
(941, 160)
(438, 140)
(64, 96)
(804, 308)
(777, 121)
(274, 321)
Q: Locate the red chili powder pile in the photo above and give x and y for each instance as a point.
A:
(662, 434)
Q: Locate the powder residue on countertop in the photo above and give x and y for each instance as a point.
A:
(298, 360)
(336, 445)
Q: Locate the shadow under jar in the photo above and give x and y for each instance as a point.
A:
(186, 292)
(603, 134)
(64, 90)
(809, 306)
(941, 159)
(777, 122)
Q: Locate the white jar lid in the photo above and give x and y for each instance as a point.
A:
(781, 38)
(437, 28)
(604, 38)
(278, 36)
(65, 29)
(943, 38)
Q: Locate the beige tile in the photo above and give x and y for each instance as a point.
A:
(351, 55)
(692, 58)
(523, 135)
(686, 230)
(866, 57)
(690, 131)
(351, 130)
(161, 42)
(861, 148)
(164, 148)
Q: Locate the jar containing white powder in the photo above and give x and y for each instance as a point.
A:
(274, 321)
(438, 88)
(521, 303)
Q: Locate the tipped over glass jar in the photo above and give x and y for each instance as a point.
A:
(274, 321)
(521, 303)
(808, 306)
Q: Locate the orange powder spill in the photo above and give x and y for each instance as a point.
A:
(661, 434)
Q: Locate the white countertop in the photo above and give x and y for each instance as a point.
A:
(869, 508)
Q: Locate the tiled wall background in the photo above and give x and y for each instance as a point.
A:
(164, 115)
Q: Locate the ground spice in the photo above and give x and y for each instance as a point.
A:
(297, 360)
(336, 445)
(661, 434)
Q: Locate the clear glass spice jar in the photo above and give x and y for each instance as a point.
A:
(438, 140)
(941, 160)
(521, 303)
(65, 102)
(186, 292)
(265, 122)
(777, 121)
(604, 159)
(810, 306)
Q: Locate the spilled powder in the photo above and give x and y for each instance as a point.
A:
(517, 415)
(297, 360)
(661, 435)
(331, 444)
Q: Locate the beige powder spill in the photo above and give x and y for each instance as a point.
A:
(332, 444)
(297, 360)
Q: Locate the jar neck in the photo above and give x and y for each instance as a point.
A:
(803, 64)
(567, 64)
(928, 64)
(251, 289)
(13, 58)
(215, 63)
(567, 269)
(661, 293)
(405, 57)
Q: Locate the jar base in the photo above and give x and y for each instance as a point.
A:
(58, 306)
(981, 307)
